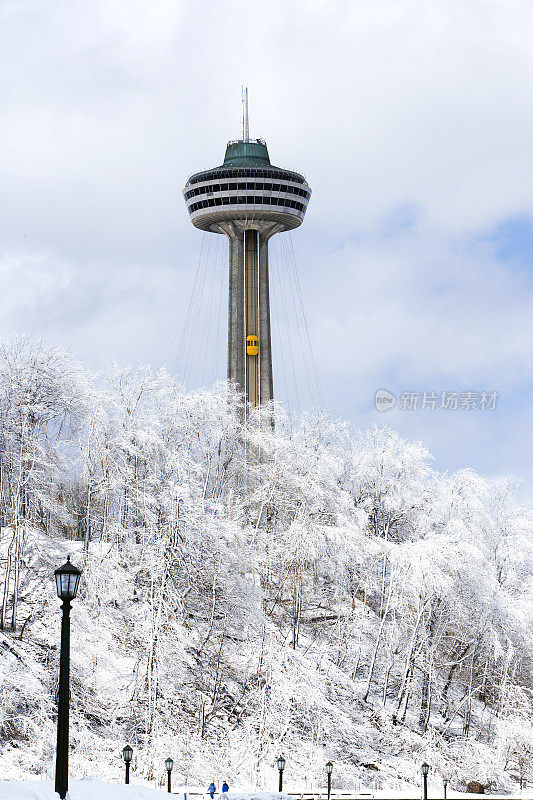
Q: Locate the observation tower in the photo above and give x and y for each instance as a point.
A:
(248, 200)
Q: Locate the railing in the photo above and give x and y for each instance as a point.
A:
(355, 795)
(335, 795)
(318, 795)
(248, 141)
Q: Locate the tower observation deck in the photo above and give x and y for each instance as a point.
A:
(249, 200)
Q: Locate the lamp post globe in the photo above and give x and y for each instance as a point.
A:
(168, 766)
(67, 580)
(329, 770)
(127, 755)
(281, 767)
(425, 771)
(445, 785)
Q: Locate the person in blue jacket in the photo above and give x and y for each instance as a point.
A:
(225, 787)
(212, 789)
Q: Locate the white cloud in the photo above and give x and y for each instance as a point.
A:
(410, 119)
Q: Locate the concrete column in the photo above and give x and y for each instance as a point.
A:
(236, 345)
(252, 315)
(249, 308)
(236, 302)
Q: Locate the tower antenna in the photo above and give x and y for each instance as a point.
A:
(245, 126)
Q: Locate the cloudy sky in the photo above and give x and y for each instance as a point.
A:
(413, 122)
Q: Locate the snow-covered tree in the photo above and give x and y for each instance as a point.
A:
(247, 589)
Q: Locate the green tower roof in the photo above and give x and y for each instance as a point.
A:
(246, 154)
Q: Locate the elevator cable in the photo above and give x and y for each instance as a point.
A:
(288, 271)
(208, 331)
(287, 297)
(200, 356)
(191, 362)
(221, 263)
(181, 356)
(202, 352)
(321, 403)
(287, 337)
(277, 335)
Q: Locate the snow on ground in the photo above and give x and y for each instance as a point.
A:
(85, 789)
(90, 789)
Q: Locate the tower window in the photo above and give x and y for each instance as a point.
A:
(247, 200)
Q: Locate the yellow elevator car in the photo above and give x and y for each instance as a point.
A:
(252, 345)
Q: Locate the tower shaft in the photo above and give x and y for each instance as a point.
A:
(251, 317)
(249, 310)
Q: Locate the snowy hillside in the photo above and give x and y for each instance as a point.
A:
(317, 591)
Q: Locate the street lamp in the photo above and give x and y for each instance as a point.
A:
(445, 784)
(168, 766)
(281, 767)
(67, 582)
(127, 755)
(329, 770)
(425, 770)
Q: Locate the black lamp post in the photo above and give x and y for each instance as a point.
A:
(67, 582)
(445, 785)
(127, 755)
(168, 766)
(425, 770)
(281, 767)
(329, 770)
